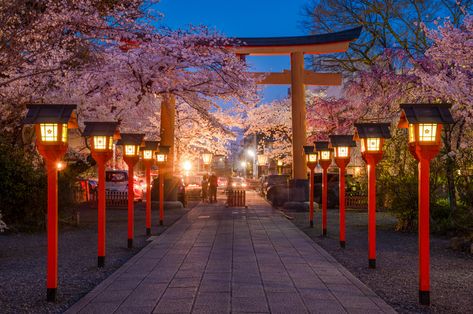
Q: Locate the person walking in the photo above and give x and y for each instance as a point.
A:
(205, 185)
(213, 182)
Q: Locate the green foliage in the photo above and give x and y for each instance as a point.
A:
(22, 189)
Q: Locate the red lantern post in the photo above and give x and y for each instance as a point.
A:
(101, 145)
(325, 160)
(424, 122)
(131, 148)
(342, 145)
(311, 159)
(51, 125)
(161, 158)
(147, 155)
(371, 136)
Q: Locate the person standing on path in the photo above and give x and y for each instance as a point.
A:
(205, 185)
(213, 182)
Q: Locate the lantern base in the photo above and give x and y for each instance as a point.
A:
(51, 294)
(372, 263)
(130, 243)
(424, 297)
(161, 223)
(100, 261)
(148, 232)
(312, 224)
(342, 244)
(324, 232)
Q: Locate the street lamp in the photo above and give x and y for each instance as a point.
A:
(262, 161)
(161, 158)
(51, 125)
(325, 160)
(371, 137)
(311, 160)
(207, 159)
(101, 136)
(131, 154)
(251, 153)
(424, 122)
(341, 145)
(280, 164)
(147, 156)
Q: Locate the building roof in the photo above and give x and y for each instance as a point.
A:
(345, 35)
(378, 130)
(130, 139)
(342, 140)
(151, 145)
(322, 145)
(52, 113)
(108, 128)
(427, 113)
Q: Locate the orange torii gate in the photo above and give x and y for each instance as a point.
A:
(297, 77)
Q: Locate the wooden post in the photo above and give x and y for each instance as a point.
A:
(298, 115)
(168, 116)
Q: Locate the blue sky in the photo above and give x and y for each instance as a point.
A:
(243, 18)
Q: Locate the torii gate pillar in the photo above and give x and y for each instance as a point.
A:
(299, 135)
(168, 117)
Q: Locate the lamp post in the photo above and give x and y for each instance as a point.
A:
(342, 145)
(371, 137)
(424, 122)
(101, 137)
(280, 164)
(51, 125)
(311, 159)
(131, 154)
(325, 160)
(207, 159)
(147, 155)
(161, 158)
(262, 161)
(251, 153)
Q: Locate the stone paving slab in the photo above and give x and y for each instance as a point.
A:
(232, 260)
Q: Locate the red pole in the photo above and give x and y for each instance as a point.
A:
(131, 209)
(324, 200)
(424, 231)
(148, 200)
(342, 204)
(101, 214)
(311, 198)
(51, 277)
(371, 214)
(161, 197)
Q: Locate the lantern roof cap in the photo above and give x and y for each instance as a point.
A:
(131, 139)
(151, 145)
(105, 128)
(49, 113)
(322, 145)
(342, 140)
(164, 149)
(376, 130)
(426, 113)
(309, 149)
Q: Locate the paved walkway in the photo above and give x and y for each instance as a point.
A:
(232, 260)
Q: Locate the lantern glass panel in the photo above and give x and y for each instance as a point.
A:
(280, 163)
(64, 133)
(110, 142)
(147, 154)
(373, 144)
(206, 158)
(160, 157)
(325, 155)
(262, 160)
(100, 142)
(412, 134)
(342, 151)
(49, 132)
(312, 158)
(427, 132)
(130, 150)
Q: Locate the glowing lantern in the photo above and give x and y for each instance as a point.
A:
(206, 158)
(311, 159)
(161, 158)
(147, 154)
(325, 160)
(262, 160)
(424, 123)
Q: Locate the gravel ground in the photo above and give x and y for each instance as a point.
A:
(396, 277)
(23, 259)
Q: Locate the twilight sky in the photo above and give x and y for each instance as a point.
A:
(243, 18)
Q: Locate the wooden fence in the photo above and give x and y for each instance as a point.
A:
(356, 201)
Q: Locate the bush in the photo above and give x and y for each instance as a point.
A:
(22, 189)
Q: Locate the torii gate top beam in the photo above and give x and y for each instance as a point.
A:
(311, 44)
